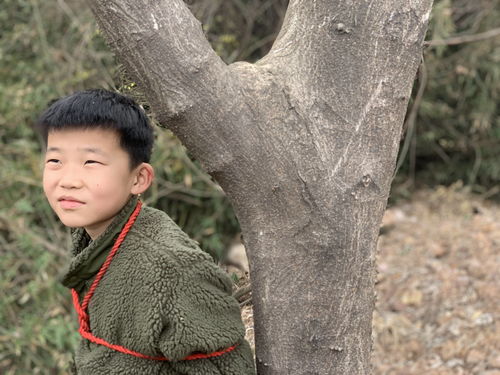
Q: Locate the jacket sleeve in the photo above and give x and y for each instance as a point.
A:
(204, 316)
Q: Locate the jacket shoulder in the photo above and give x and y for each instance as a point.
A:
(162, 239)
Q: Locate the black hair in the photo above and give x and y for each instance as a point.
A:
(99, 108)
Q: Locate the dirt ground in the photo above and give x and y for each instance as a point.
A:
(438, 287)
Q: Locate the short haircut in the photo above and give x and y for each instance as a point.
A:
(102, 109)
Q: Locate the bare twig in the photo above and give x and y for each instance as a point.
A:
(48, 245)
(493, 33)
(491, 192)
(409, 125)
(246, 302)
(443, 155)
(242, 291)
(255, 46)
(477, 163)
(200, 173)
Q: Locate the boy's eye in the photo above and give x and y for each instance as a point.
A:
(92, 162)
(53, 161)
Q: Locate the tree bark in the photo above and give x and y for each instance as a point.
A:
(303, 142)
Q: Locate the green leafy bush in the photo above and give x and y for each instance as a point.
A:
(458, 123)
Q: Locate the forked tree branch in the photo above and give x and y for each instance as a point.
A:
(493, 33)
(303, 142)
(188, 81)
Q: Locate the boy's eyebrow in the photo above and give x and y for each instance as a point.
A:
(93, 150)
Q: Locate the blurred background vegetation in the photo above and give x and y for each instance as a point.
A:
(51, 48)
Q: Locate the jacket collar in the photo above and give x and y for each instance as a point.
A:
(88, 256)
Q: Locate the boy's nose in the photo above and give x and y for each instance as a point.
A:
(71, 180)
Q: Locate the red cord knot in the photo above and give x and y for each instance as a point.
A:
(84, 324)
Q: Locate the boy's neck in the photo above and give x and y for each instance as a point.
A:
(98, 229)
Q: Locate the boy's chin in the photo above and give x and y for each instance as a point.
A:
(71, 223)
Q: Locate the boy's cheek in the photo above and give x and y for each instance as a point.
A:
(48, 191)
(46, 187)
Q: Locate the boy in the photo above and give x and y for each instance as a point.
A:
(149, 301)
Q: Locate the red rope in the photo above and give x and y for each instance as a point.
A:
(83, 316)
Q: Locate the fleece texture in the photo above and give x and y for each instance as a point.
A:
(161, 296)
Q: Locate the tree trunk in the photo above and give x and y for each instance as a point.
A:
(303, 142)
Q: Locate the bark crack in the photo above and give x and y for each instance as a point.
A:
(354, 136)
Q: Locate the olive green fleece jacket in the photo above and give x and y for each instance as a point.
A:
(161, 296)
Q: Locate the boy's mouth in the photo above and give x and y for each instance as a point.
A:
(69, 203)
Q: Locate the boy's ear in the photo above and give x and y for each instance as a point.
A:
(143, 177)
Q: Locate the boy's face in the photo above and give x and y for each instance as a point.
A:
(87, 177)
